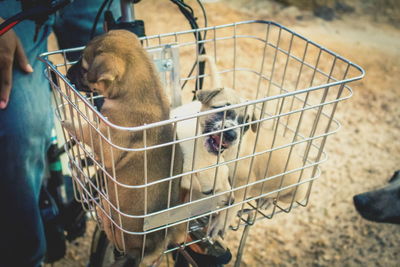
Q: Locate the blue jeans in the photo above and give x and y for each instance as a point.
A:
(25, 127)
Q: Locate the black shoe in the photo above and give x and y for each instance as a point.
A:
(207, 254)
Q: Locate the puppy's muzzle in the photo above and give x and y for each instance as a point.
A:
(361, 201)
(76, 76)
(217, 143)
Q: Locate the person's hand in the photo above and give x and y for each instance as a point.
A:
(10, 50)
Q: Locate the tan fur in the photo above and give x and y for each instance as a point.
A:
(120, 69)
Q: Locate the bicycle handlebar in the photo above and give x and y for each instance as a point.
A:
(37, 13)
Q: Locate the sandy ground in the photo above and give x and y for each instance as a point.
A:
(362, 156)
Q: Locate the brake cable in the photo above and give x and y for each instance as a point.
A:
(187, 11)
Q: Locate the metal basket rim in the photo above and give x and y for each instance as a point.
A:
(44, 58)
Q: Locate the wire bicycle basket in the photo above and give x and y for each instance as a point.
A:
(293, 83)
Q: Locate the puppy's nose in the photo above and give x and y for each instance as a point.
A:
(230, 135)
(361, 201)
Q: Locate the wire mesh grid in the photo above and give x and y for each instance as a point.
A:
(289, 87)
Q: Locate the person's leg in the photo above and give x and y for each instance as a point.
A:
(74, 23)
(25, 127)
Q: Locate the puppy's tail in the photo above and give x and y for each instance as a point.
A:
(215, 79)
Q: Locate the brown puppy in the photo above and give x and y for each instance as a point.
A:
(116, 66)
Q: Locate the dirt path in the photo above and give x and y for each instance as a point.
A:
(362, 156)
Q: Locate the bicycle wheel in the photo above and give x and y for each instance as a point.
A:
(103, 253)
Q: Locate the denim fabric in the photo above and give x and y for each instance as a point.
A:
(25, 127)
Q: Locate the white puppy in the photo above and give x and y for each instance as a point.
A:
(249, 169)
(205, 182)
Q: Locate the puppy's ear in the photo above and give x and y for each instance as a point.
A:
(204, 96)
(105, 68)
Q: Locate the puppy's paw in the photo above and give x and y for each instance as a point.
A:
(68, 125)
(218, 226)
(79, 131)
(264, 203)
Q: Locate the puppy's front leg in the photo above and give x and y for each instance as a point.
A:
(81, 133)
(86, 133)
(218, 226)
(265, 202)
